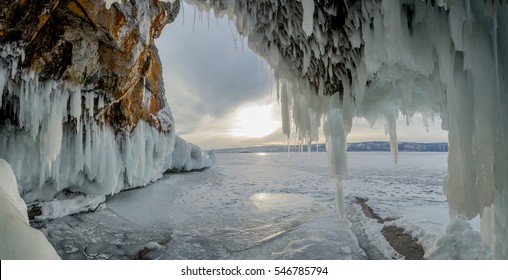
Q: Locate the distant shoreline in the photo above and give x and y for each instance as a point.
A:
(373, 146)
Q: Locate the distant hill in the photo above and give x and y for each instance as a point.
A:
(376, 146)
(403, 147)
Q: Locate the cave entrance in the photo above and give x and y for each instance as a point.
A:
(225, 96)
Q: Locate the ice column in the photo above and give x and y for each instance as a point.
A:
(308, 16)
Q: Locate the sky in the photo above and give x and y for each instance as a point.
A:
(222, 95)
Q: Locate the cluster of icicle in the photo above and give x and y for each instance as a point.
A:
(449, 59)
(58, 139)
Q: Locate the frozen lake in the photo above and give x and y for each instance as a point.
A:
(262, 206)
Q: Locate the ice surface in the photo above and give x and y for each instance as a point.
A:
(241, 209)
(62, 207)
(19, 240)
(263, 206)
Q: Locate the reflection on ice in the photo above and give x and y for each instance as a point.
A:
(280, 201)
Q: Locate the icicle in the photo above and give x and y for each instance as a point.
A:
(308, 16)
(91, 159)
(76, 107)
(183, 14)
(233, 35)
(425, 120)
(3, 82)
(347, 114)
(337, 149)
(54, 127)
(284, 100)
(391, 129)
(194, 19)
(89, 103)
(277, 85)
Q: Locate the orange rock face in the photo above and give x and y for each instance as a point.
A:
(107, 51)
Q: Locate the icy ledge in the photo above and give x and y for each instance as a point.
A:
(19, 240)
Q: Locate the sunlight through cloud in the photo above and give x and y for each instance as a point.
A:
(255, 121)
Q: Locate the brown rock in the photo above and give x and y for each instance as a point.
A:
(108, 51)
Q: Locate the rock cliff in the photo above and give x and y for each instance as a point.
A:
(83, 109)
(110, 51)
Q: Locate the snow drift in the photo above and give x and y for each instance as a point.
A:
(19, 240)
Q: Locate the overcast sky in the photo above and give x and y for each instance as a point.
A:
(220, 92)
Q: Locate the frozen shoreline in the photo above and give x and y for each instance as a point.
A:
(261, 206)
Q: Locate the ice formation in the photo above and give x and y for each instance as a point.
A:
(93, 127)
(459, 241)
(384, 57)
(19, 240)
(64, 147)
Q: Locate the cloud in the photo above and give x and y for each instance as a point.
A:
(204, 62)
(229, 131)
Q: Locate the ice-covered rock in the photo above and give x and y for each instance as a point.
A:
(82, 101)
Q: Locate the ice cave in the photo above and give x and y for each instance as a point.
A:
(84, 116)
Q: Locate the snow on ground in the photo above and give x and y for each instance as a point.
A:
(262, 206)
(18, 240)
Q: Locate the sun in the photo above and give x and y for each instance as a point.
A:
(255, 121)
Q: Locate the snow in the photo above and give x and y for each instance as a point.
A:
(19, 240)
(460, 241)
(369, 234)
(10, 190)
